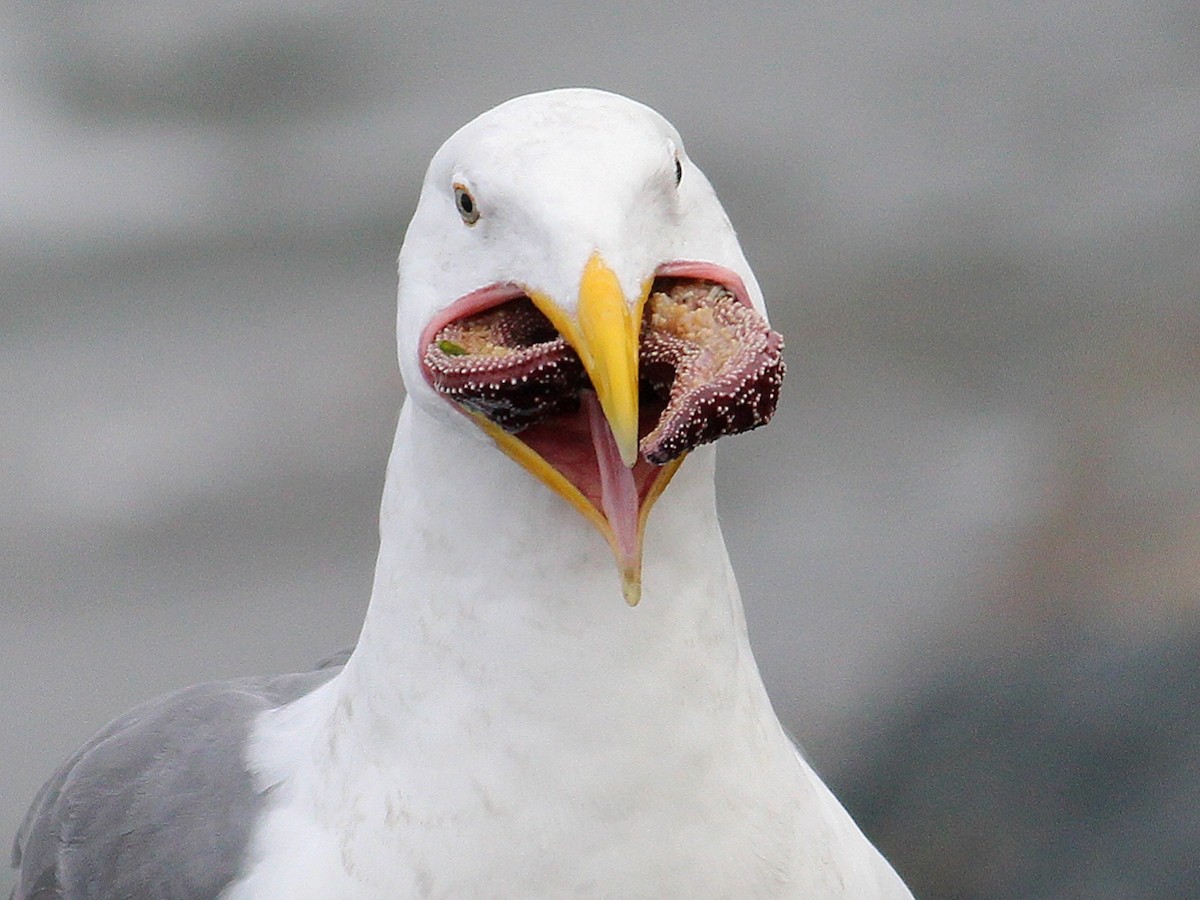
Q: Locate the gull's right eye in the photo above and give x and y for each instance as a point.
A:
(467, 207)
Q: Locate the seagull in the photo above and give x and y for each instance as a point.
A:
(553, 692)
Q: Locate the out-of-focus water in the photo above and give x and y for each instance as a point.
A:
(976, 227)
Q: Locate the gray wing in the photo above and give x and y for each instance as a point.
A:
(159, 804)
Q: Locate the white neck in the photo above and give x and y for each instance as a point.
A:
(488, 585)
(504, 698)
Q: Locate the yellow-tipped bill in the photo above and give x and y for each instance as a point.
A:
(565, 406)
(605, 335)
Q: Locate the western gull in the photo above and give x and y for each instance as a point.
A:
(577, 323)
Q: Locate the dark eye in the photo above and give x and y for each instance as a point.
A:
(678, 171)
(466, 204)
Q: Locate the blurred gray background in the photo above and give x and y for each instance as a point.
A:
(969, 545)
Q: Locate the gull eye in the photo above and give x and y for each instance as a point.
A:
(678, 171)
(467, 208)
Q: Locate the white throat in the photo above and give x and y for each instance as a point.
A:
(508, 726)
(497, 614)
(489, 582)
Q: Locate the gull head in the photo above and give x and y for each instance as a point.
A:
(571, 285)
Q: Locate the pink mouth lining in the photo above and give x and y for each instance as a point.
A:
(486, 297)
(619, 499)
(579, 444)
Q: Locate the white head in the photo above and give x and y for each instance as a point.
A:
(578, 200)
(556, 177)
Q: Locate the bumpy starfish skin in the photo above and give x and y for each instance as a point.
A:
(715, 360)
(712, 361)
(507, 363)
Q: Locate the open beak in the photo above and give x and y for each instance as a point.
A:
(559, 392)
(605, 334)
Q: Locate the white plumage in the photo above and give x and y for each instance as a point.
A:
(507, 725)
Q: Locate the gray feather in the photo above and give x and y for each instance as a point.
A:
(159, 804)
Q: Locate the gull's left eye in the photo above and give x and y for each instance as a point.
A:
(467, 207)
(678, 170)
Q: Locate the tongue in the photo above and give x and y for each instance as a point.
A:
(618, 497)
